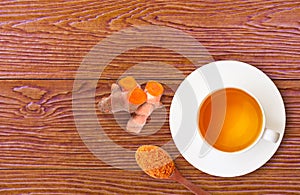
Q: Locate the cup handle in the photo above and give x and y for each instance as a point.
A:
(271, 135)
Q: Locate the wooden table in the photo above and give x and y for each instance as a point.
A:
(44, 42)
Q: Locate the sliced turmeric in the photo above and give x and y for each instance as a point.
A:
(137, 96)
(154, 88)
(128, 96)
(127, 83)
(136, 122)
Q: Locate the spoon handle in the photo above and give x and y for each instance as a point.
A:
(176, 176)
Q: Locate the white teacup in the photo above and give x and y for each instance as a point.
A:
(184, 118)
(232, 120)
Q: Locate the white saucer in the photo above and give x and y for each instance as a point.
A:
(184, 112)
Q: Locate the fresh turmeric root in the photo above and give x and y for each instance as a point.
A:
(154, 91)
(128, 96)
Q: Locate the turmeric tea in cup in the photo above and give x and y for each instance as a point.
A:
(232, 120)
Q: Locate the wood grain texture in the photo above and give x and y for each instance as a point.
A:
(44, 143)
(125, 182)
(43, 39)
(43, 43)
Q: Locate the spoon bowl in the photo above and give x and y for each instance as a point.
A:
(157, 163)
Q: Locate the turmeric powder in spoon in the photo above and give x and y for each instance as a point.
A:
(155, 161)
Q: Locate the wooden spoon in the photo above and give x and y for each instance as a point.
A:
(176, 176)
(157, 163)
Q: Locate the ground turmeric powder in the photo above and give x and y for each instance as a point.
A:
(154, 161)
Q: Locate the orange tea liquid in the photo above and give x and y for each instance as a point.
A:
(232, 122)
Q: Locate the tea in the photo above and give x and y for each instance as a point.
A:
(230, 119)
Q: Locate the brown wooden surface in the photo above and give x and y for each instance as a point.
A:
(42, 44)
